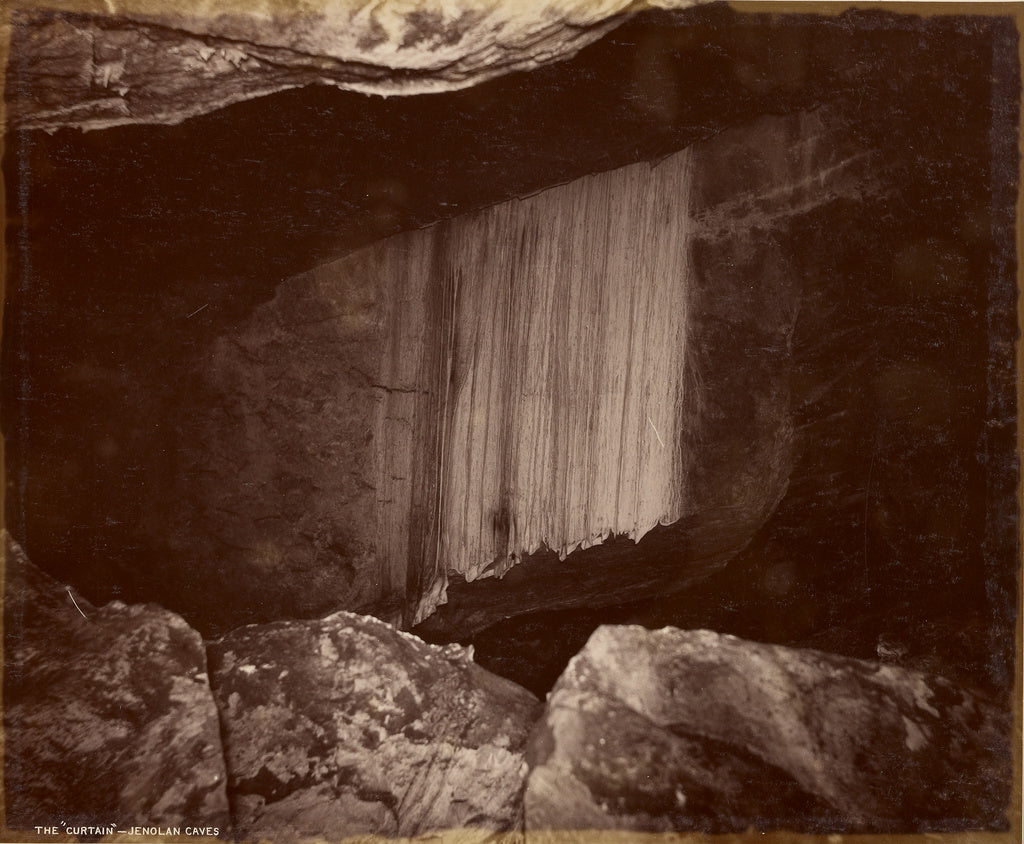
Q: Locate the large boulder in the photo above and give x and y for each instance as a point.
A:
(673, 730)
(108, 716)
(345, 726)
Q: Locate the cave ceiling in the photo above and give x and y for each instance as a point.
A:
(151, 61)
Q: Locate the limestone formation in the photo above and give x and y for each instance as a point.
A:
(108, 716)
(523, 382)
(159, 61)
(673, 730)
(504, 382)
(345, 726)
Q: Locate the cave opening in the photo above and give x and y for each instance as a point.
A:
(219, 335)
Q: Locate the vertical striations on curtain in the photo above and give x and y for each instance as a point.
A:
(532, 377)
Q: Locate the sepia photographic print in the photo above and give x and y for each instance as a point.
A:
(510, 420)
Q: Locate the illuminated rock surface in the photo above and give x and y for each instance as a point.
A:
(672, 730)
(460, 397)
(346, 725)
(129, 61)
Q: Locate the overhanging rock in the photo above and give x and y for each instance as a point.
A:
(156, 61)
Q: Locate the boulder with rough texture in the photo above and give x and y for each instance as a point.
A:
(157, 61)
(108, 717)
(672, 730)
(345, 726)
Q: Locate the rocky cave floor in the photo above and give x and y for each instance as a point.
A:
(122, 716)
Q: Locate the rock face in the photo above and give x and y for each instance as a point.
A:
(108, 716)
(524, 382)
(346, 726)
(161, 62)
(455, 399)
(671, 730)
(739, 442)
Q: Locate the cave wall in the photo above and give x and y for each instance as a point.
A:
(515, 384)
(132, 253)
(895, 537)
(456, 398)
(131, 250)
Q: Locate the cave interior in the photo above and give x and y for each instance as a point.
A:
(789, 237)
